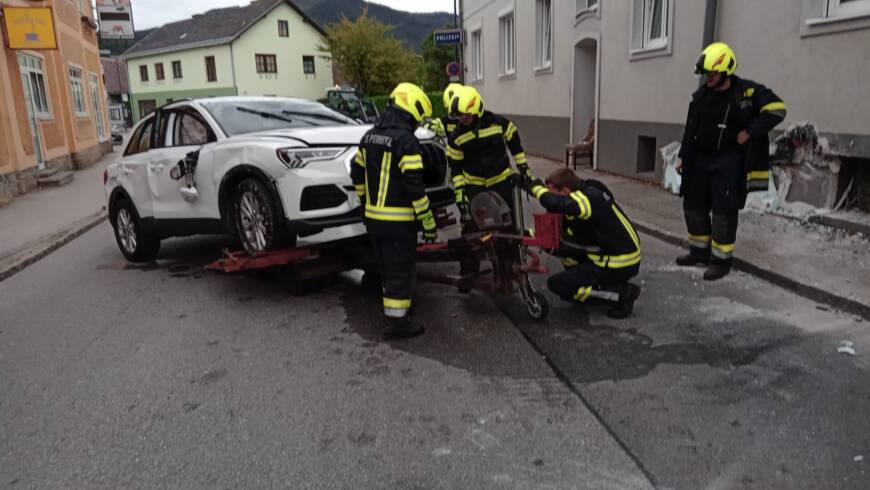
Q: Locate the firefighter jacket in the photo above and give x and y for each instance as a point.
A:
(387, 173)
(477, 154)
(594, 229)
(752, 107)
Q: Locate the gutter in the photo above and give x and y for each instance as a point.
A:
(710, 18)
(178, 47)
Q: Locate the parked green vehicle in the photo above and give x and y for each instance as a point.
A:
(350, 103)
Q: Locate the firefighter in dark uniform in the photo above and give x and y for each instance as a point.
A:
(442, 127)
(388, 175)
(600, 248)
(724, 155)
(478, 157)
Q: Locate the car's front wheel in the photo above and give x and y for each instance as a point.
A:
(257, 218)
(135, 244)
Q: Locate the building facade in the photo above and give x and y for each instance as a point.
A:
(269, 47)
(52, 101)
(117, 91)
(553, 66)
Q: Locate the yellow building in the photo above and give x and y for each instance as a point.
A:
(52, 98)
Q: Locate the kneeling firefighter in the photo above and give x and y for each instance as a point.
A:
(388, 175)
(600, 247)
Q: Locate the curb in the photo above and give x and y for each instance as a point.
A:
(810, 292)
(18, 260)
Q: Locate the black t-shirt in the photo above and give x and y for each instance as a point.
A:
(714, 107)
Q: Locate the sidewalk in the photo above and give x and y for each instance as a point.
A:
(813, 260)
(37, 223)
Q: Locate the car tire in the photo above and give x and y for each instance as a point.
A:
(135, 244)
(258, 222)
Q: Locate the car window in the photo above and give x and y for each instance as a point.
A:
(243, 116)
(140, 142)
(190, 130)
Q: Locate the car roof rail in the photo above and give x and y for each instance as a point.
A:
(186, 99)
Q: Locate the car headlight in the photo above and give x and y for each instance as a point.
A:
(301, 157)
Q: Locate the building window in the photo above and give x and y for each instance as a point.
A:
(33, 78)
(95, 103)
(831, 16)
(283, 28)
(650, 21)
(308, 64)
(143, 73)
(584, 5)
(158, 71)
(266, 63)
(477, 55)
(848, 8)
(78, 91)
(176, 70)
(507, 42)
(210, 69)
(543, 34)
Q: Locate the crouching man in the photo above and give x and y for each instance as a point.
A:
(600, 248)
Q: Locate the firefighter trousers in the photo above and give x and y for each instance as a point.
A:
(586, 282)
(505, 189)
(396, 257)
(715, 184)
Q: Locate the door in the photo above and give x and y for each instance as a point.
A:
(147, 107)
(132, 169)
(98, 114)
(181, 131)
(31, 104)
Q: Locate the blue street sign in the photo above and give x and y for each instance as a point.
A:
(448, 37)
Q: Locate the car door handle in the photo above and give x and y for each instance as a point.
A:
(156, 167)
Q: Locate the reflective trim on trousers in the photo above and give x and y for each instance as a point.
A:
(699, 241)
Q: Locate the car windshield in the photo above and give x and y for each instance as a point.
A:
(249, 116)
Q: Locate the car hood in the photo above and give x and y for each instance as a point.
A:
(326, 135)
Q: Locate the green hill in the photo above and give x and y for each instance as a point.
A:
(411, 28)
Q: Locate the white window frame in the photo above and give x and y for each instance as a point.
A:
(544, 35)
(853, 8)
(650, 42)
(43, 109)
(477, 54)
(77, 90)
(94, 80)
(643, 44)
(507, 43)
(584, 6)
(819, 17)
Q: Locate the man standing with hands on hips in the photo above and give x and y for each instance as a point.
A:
(724, 155)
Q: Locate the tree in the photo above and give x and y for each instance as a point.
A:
(367, 54)
(433, 74)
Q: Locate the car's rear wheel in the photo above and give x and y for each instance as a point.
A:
(135, 244)
(257, 218)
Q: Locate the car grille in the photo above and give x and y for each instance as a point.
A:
(434, 165)
(322, 197)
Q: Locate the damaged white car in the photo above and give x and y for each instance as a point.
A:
(265, 169)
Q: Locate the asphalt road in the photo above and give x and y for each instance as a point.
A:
(164, 376)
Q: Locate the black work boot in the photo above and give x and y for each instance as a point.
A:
(717, 270)
(625, 305)
(694, 257)
(401, 328)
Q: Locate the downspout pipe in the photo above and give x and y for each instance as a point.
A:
(710, 17)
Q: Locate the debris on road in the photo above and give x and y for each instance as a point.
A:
(847, 347)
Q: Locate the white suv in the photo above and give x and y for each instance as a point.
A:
(265, 169)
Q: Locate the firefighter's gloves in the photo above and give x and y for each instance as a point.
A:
(430, 228)
(529, 182)
(436, 126)
(462, 205)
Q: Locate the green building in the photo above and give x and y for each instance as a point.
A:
(268, 47)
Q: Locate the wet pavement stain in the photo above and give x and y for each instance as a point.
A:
(607, 353)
